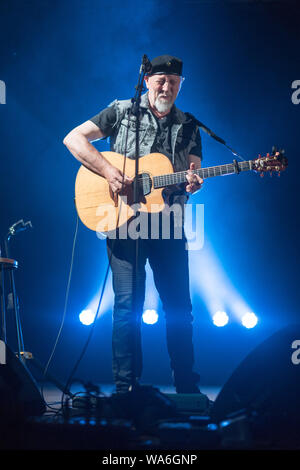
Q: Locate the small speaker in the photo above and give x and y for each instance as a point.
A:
(267, 381)
(19, 394)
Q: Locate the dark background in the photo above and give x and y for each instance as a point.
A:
(63, 62)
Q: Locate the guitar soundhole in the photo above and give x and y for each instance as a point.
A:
(144, 188)
(145, 184)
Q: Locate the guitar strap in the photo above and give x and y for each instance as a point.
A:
(213, 135)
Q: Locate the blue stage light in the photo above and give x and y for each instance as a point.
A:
(150, 316)
(220, 318)
(87, 317)
(249, 320)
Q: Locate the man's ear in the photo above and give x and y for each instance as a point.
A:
(146, 81)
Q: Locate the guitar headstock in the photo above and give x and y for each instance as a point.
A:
(274, 162)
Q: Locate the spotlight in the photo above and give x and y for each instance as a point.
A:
(87, 317)
(249, 320)
(150, 316)
(220, 318)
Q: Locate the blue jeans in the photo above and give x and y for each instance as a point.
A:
(169, 261)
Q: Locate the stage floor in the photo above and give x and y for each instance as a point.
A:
(52, 395)
(150, 426)
(148, 422)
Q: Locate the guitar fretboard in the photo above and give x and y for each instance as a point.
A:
(180, 177)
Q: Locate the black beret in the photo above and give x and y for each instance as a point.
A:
(166, 65)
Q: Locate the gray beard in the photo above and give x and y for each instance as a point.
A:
(162, 106)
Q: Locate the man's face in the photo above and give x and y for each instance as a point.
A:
(163, 91)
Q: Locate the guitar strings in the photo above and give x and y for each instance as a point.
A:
(194, 171)
(180, 174)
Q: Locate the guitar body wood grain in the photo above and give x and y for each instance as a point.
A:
(97, 207)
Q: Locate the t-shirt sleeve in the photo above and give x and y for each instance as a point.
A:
(196, 147)
(106, 120)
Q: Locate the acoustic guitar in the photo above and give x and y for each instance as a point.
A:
(101, 210)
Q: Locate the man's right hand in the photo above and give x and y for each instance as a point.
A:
(78, 142)
(116, 179)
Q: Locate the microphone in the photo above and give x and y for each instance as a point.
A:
(19, 227)
(146, 64)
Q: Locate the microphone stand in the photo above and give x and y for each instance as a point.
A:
(23, 355)
(18, 226)
(135, 111)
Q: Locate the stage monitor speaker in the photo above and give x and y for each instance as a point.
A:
(267, 381)
(19, 394)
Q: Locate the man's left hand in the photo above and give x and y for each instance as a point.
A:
(194, 181)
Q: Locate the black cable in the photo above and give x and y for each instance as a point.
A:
(64, 314)
(69, 380)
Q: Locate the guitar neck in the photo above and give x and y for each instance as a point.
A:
(162, 181)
